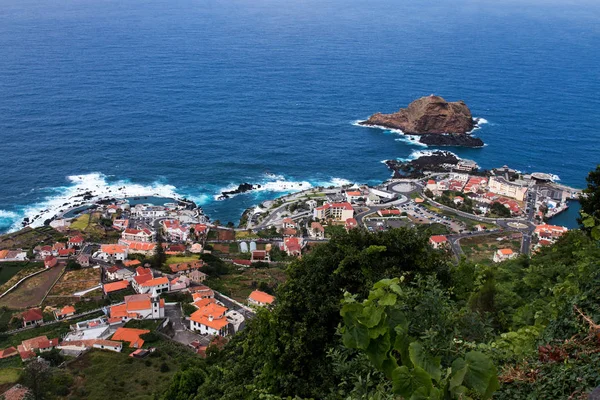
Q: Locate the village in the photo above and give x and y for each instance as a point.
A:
(116, 276)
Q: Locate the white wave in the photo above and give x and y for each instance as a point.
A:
(4, 214)
(555, 177)
(96, 185)
(410, 139)
(282, 185)
(481, 121)
(420, 153)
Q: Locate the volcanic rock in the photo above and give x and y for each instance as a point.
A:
(431, 114)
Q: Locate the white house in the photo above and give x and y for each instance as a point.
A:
(337, 211)
(138, 235)
(112, 252)
(503, 255)
(139, 306)
(210, 318)
(316, 230)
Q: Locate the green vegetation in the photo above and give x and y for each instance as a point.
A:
(382, 316)
(499, 210)
(481, 248)
(150, 324)
(180, 259)
(333, 230)
(81, 222)
(434, 229)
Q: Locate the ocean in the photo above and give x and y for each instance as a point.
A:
(188, 97)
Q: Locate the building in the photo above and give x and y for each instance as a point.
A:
(260, 255)
(501, 186)
(115, 273)
(56, 247)
(458, 200)
(17, 392)
(431, 185)
(130, 335)
(33, 316)
(475, 184)
(180, 283)
(353, 196)
(112, 287)
(186, 266)
(209, 319)
(159, 285)
(288, 223)
(138, 235)
(8, 352)
(50, 261)
(97, 328)
(139, 306)
(350, 224)
(12, 255)
(382, 193)
(316, 230)
(113, 252)
(83, 260)
(202, 292)
(389, 213)
(148, 211)
(66, 252)
(132, 263)
(65, 312)
(75, 241)
(260, 299)
(43, 251)
(77, 347)
(503, 255)
(40, 343)
(438, 241)
(174, 231)
(144, 248)
(550, 233)
(196, 276)
(121, 224)
(292, 246)
(337, 211)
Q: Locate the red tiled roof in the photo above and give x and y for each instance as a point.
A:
(261, 297)
(115, 286)
(130, 335)
(154, 282)
(438, 239)
(8, 352)
(33, 314)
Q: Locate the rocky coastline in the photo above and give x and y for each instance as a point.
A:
(436, 161)
(242, 188)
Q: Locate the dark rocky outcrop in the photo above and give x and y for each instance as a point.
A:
(451, 139)
(440, 122)
(434, 161)
(243, 188)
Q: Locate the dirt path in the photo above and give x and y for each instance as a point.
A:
(31, 292)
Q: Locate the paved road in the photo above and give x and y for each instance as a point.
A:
(181, 334)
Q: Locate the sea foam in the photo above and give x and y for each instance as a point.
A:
(95, 186)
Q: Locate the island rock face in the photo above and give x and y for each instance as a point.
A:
(427, 115)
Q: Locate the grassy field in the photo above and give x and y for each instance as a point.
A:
(75, 281)
(80, 223)
(31, 292)
(150, 324)
(181, 259)
(245, 235)
(105, 375)
(482, 248)
(239, 285)
(9, 375)
(9, 270)
(28, 238)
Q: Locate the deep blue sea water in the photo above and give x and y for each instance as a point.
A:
(192, 96)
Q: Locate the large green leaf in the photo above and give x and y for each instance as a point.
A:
(480, 373)
(420, 358)
(370, 316)
(401, 344)
(407, 382)
(378, 350)
(355, 336)
(402, 381)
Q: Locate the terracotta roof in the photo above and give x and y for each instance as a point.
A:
(204, 314)
(66, 310)
(113, 249)
(66, 252)
(345, 206)
(200, 228)
(8, 352)
(115, 286)
(317, 226)
(139, 279)
(438, 239)
(155, 282)
(203, 302)
(431, 182)
(354, 193)
(140, 246)
(113, 269)
(16, 392)
(351, 223)
(132, 263)
(261, 297)
(242, 262)
(290, 232)
(505, 252)
(186, 266)
(33, 314)
(76, 239)
(288, 220)
(130, 335)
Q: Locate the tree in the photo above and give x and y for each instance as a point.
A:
(160, 257)
(379, 327)
(589, 219)
(230, 224)
(73, 265)
(36, 376)
(500, 210)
